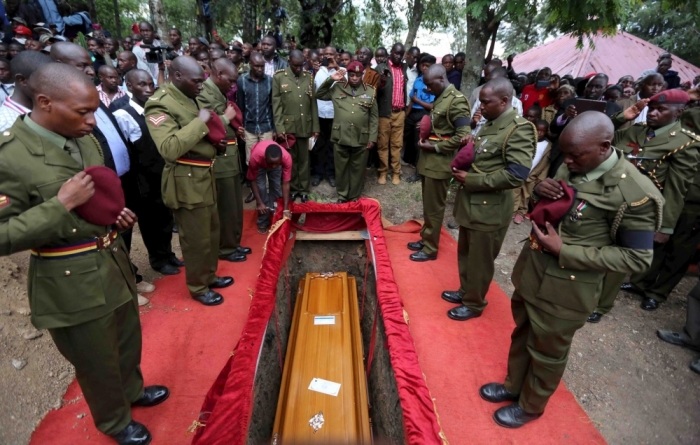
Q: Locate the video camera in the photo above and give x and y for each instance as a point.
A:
(154, 53)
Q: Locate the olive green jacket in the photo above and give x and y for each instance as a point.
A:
(690, 125)
(177, 131)
(62, 292)
(674, 174)
(294, 106)
(355, 118)
(504, 148)
(228, 164)
(612, 231)
(450, 122)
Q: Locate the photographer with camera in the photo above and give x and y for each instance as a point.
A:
(148, 52)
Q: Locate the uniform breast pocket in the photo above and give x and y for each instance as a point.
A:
(193, 184)
(485, 208)
(290, 123)
(50, 189)
(65, 286)
(572, 289)
(335, 133)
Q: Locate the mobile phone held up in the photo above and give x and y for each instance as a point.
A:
(542, 84)
(324, 62)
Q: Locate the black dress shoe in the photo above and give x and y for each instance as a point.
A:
(294, 196)
(416, 246)
(304, 198)
(649, 304)
(513, 416)
(221, 282)
(211, 298)
(176, 262)
(462, 313)
(452, 296)
(497, 393)
(331, 181)
(676, 338)
(695, 365)
(133, 434)
(168, 269)
(421, 256)
(453, 226)
(594, 317)
(235, 257)
(414, 178)
(244, 250)
(628, 287)
(250, 198)
(152, 396)
(315, 181)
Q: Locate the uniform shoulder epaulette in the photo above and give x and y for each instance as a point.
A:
(640, 124)
(635, 187)
(691, 134)
(280, 71)
(458, 94)
(6, 136)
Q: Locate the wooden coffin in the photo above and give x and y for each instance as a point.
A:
(316, 350)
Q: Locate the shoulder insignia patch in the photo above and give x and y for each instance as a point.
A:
(285, 85)
(280, 71)
(157, 120)
(459, 95)
(4, 201)
(638, 203)
(691, 134)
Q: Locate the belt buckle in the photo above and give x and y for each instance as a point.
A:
(104, 242)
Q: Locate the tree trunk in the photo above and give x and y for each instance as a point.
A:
(414, 21)
(317, 18)
(158, 14)
(478, 35)
(92, 9)
(493, 42)
(249, 19)
(117, 18)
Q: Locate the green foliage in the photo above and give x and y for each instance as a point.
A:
(675, 29)
(130, 11)
(523, 31)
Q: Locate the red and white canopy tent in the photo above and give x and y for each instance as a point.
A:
(617, 56)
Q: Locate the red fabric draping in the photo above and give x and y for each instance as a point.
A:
(330, 222)
(227, 408)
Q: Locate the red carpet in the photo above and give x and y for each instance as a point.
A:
(185, 345)
(458, 357)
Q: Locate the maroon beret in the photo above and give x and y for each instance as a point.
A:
(104, 207)
(237, 121)
(670, 97)
(217, 132)
(464, 158)
(425, 126)
(553, 211)
(289, 143)
(355, 67)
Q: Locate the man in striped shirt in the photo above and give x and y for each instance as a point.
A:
(108, 89)
(22, 66)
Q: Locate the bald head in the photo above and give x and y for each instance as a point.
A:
(187, 76)
(496, 97)
(216, 54)
(64, 100)
(435, 78)
(106, 70)
(586, 141)
(72, 54)
(256, 57)
(296, 55)
(500, 86)
(224, 74)
(133, 76)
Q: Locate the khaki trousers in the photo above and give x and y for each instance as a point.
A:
(253, 138)
(539, 351)
(106, 353)
(390, 141)
(521, 197)
(199, 239)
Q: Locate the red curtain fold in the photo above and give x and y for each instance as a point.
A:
(227, 408)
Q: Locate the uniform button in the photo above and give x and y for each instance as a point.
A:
(6, 133)
(302, 114)
(623, 176)
(114, 249)
(485, 202)
(641, 149)
(352, 112)
(300, 95)
(67, 272)
(75, 230)
(572, 277)
(225, 155)
(189, 174)
(301, 105)
(479, 138)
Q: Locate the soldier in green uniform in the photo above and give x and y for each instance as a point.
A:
(668, 155)
(295, 112)
(355, 125)
(450, 122)
(227, 168)
(558, 276)
(504, 148)
(178, 128)
(82, 287)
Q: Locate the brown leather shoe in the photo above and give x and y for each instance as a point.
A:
(396, 179)
(382, 179)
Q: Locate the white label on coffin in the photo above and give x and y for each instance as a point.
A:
(324, 319)
(325, 387)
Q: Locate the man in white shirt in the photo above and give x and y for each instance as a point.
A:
(20, 103)
(322, 165)
(478, 120)
(148, 34)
